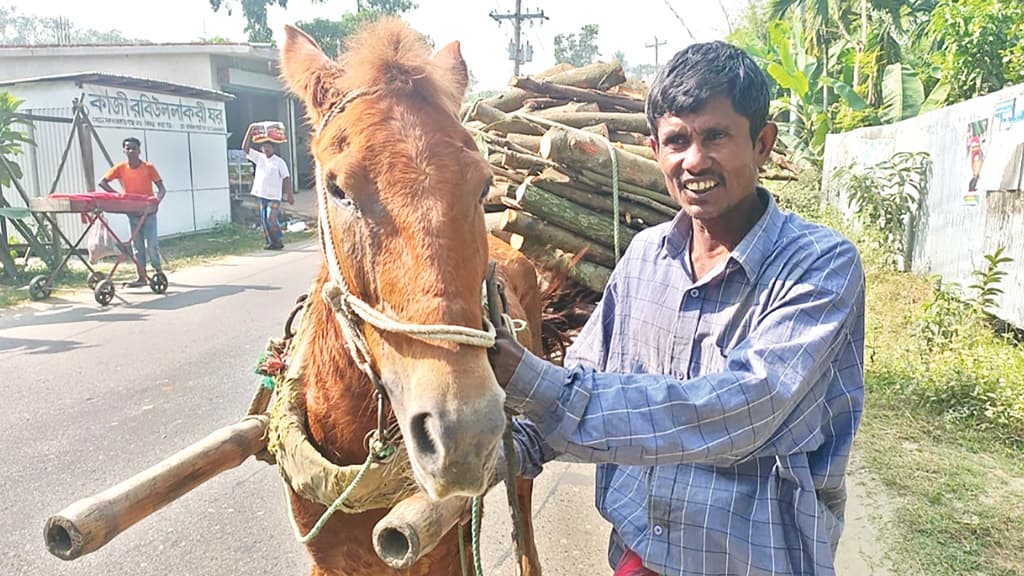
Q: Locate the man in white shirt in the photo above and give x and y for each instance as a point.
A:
(270, 179)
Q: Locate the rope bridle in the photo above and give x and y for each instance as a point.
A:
(349, 309)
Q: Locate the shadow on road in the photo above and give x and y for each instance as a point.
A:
(34, 346)
(66, 313)
(180, 296)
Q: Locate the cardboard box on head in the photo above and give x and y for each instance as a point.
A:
(268, 131)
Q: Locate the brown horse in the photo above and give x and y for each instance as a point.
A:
(402, 188)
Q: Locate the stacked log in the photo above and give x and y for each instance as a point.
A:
(565, 147)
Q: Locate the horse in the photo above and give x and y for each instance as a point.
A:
(402, 227)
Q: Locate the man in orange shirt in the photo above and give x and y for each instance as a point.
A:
(138, 177)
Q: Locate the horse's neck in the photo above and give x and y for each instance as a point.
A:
(341, 405)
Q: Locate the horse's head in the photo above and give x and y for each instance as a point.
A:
(401, 207)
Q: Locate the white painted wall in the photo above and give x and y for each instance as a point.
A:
(956, 226)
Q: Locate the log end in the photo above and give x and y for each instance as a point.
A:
(397, 544)
(63, 539)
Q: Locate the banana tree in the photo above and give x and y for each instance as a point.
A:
(803, 114)
(11, 138)
(903, 94)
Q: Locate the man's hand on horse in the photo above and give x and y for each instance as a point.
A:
(505, 355)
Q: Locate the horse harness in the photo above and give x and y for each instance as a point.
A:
(382, 443)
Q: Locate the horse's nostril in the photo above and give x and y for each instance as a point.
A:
(421, 436)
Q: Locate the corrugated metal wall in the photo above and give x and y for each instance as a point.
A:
(39, 164)
(194, 201)
(957, 226)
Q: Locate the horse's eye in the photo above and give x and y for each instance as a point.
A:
(335, 190)
(485, 191)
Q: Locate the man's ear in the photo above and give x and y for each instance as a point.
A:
(307, 71)
(765, 142)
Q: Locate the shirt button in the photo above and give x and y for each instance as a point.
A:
(658, 530)
(694, 293)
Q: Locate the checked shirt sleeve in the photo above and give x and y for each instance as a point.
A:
(769, 399)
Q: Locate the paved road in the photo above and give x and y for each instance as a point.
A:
(98, 394)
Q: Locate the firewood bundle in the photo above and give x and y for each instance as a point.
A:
(550, 140)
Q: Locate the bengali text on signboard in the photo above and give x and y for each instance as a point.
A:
(134, 109)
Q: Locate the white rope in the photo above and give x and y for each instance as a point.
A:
(348, 306)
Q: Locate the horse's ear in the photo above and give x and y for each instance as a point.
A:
(449, 59)
(307, 71)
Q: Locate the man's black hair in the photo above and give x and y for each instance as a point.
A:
(701, 72)
(132, 140)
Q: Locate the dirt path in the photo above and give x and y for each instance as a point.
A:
(861, 549)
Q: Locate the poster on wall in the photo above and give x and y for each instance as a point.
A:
(977, 138)
(1004, 156)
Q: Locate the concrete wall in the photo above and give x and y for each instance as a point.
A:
(957, 225)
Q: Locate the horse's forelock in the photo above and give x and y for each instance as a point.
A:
(390, 56)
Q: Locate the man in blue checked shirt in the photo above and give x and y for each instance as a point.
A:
(719, 383)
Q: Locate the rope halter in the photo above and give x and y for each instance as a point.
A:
(349, 308)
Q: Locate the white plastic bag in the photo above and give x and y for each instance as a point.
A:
(101, 243)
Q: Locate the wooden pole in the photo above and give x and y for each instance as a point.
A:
(596, 76)
(548, 234)
(67, 148)
(616, 121)
(571, 107)
(593, 276)
(588, 223)
(579, 94)
(99, 141)
(634, 138)
(582, 150)
(414, 527)
(88, 524)
(85, 147)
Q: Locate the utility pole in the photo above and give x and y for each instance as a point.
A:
(516, 51)
(655, 46)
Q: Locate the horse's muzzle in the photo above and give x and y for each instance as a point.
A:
(454, 452)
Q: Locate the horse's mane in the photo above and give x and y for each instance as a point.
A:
(390, 56)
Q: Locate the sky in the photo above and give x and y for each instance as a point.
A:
(626, 25)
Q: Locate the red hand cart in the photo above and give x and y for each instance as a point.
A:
(92, 206)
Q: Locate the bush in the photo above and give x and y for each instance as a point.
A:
(802, 196)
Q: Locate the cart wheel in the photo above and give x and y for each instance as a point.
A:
(39, 288)
(104, 292)
(95, 278)
(158, 283)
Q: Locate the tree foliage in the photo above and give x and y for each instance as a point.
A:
(255, 13)
(331, 34)
(28, 30)
(333, 31)
(877, 61)
(978, 44)
(577, 49)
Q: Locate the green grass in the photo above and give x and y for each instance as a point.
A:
(178, 252)
(956, 492)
